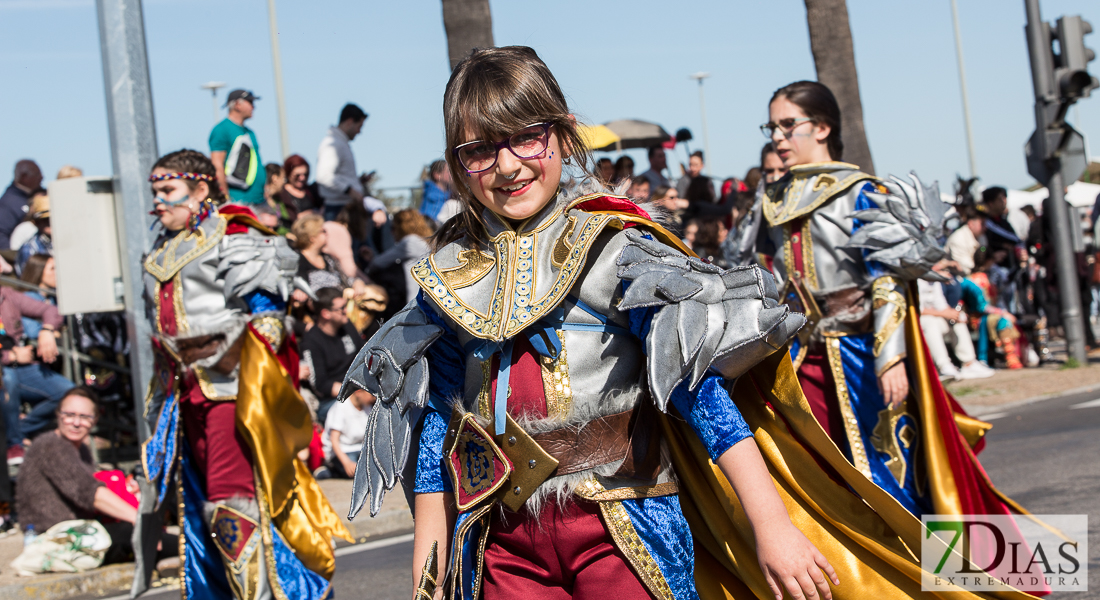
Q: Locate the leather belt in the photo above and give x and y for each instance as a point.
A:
(630, 436)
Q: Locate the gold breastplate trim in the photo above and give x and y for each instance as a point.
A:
(167, 268)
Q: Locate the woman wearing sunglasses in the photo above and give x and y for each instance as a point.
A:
(861, 359)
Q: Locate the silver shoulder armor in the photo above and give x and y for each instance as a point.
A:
(392, 367)
(727, 320)
(903, 233)
(256, 262)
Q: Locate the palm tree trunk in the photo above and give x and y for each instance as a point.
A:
(834, 58)
(469, 25)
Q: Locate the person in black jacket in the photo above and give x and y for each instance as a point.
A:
(329, 347)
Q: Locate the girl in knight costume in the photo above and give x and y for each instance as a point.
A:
(556, 400)
(848, 249)
(223, 406)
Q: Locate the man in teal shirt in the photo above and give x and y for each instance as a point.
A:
(236, 153)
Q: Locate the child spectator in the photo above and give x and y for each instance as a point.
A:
(345, 427)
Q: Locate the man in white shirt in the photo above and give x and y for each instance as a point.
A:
(942, 325)
(337, 178)
(965, 241)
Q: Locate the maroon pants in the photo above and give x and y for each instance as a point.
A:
(221, 454)
(565, 554)
(819, 386)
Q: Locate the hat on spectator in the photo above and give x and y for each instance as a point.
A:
(241, 95)
(40, 207)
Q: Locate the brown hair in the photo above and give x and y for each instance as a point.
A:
(818, 104)
(82, 391)
(491, 94)
(190, 161)
(410, 221)
(32, 270)
(305, 228)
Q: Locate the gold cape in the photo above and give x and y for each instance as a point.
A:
(275, 421)
(871, 541)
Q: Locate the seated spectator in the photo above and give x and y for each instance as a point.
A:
(639, 189)
(39, 271)
(669, 199)
(411, 232)
(345, 427)
(40, 243)
(708, 242)
(996, 327)
(57, 481)
(691, 228)
(943, 325)
(26, 379)
(318, 269)
(624, 170)
(297, 192)
(965, 241)
(15, 200)
(605, 170)
(437, 189)
(329, 347)
(282, 216)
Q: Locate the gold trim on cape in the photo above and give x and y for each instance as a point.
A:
(851, 424)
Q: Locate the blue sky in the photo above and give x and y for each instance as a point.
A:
(613, 59)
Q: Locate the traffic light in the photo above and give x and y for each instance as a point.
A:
(1071, 75)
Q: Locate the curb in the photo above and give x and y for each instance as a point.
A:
(985, 409)
(118, 578)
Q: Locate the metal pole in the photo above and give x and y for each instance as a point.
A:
(703, 114)
(1046, 108)
(133, 152)
(280, 100)
(962, 86)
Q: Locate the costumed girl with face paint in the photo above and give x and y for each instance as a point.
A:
(848, 250)
(556, 400)
(223, 405)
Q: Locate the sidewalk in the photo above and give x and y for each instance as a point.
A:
(1025, 385)
(116, 579)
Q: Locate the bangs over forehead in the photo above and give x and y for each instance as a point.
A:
(498, 91)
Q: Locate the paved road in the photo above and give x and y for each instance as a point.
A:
(1046, 455)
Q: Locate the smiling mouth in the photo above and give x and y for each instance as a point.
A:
(515, 188)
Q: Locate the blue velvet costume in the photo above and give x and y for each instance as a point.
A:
(659, 522)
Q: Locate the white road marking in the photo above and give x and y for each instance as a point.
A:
(991, 416)
(393, 541)
(1089, 404)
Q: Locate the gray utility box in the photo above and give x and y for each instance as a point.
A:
(85, 245)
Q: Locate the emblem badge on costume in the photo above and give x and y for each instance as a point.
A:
(232, 533)
(478, 467)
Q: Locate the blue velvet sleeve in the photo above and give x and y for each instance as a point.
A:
(875, 268)
(712, 414)
(708, 408)
(430, 474)
(446, 378)
(260, 301)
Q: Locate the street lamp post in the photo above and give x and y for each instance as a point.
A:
(700, 76)
(962, 85)
(214, 86)
(276, 63)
